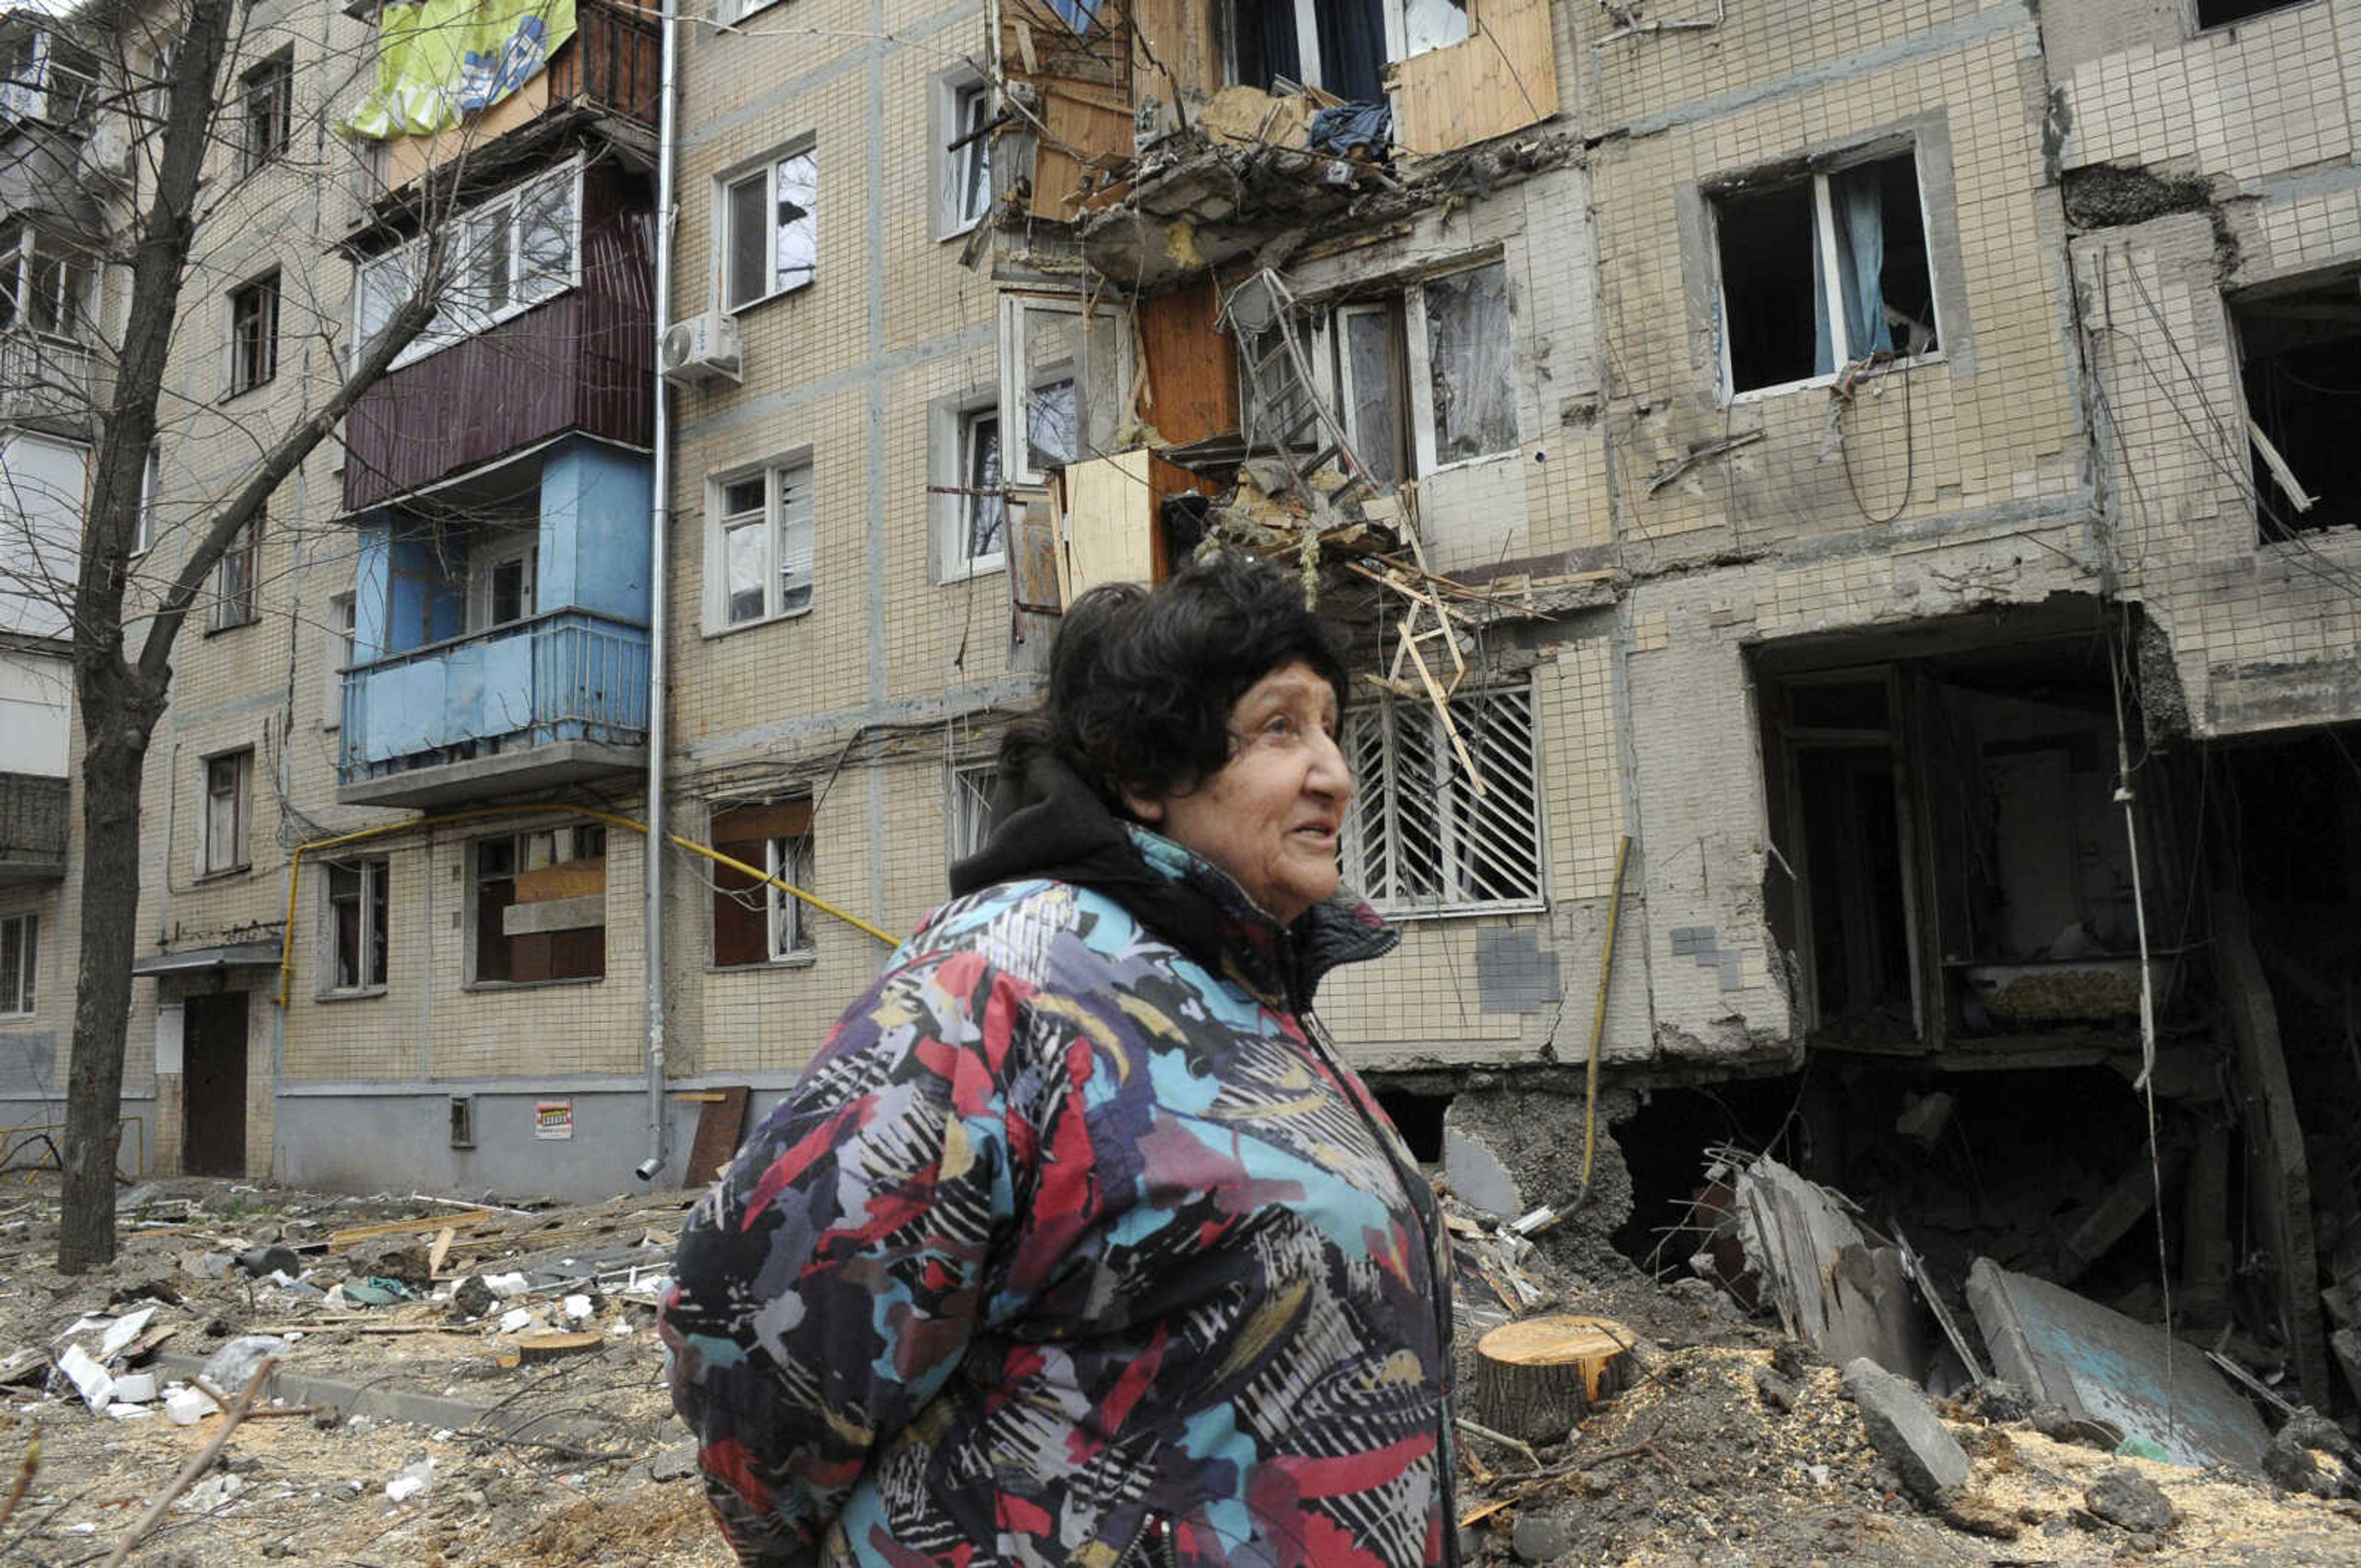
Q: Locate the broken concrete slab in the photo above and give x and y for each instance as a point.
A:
(2124, 1496)
(1846, 1292)
(1907, 1431)
(2101, 1366)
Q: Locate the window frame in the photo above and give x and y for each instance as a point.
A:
(234, 769)
(967, 808)
(785, 480)
(236, 579)
(1016, 470)
(382, 282)
(254, 309)
(964, 107)
(578, 837)
(143, 523)
(20, 993)
(266, 112)
(725, 226)
(493, 549)
(1824, 239)
(1384, 791)
(788, 936)
(24, 246)
(343, 634)
(1307, 40)
(373, 900)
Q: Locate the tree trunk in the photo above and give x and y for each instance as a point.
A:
(114, 758)
(1537, 1377)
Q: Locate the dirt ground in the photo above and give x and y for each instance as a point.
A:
(1733, 1446)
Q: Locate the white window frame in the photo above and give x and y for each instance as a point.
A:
(375, 897)
(143, 526)
(266, 103)
(494, 548)
(967, 808)
(1326, 345)
(1424, 791)
(766, 170)
(963, 106)
(788, 525)
(254, 356)
(793, 861)
(23, 247)
(343, 641)
(1824, 234)
(18, 992)
(727, 13)
(215, 857)
(381, 283)
(958, 559)
(1015, 313)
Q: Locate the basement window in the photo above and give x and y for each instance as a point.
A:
(1822, 271)
(2225, 13)
(541, 905)
(1422, 840)
(2303, 381)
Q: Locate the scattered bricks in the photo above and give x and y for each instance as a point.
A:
(2124, 1496)
(1906, 1431)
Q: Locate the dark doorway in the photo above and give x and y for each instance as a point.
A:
(213, 1095)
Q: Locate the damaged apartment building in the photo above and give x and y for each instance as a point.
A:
(1839, 508)
(1854, 572)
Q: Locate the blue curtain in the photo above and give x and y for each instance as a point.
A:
(1860, 263)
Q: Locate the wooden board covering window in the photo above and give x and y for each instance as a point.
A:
(1502, 78)
(1192, 366)
(741, 926)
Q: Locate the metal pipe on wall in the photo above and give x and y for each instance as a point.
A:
(659, 593)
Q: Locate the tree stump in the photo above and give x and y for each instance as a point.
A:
(1537, 1377)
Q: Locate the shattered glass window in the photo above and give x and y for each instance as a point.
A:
(1372, 411)
(774, 242)
(1049, 428)
(1471, 364)
(1432, 24)
(985, 513)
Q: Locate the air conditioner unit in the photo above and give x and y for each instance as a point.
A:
(700, 349)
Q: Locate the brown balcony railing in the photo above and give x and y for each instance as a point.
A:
(611, 64)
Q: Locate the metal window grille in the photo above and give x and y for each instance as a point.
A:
(1421, 836)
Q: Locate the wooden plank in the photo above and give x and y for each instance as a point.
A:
(346, 1240)
(1502, 78)
(1172, 34)
(1190, 389)
(566, 879)
(720, 1126)
(1080, 134)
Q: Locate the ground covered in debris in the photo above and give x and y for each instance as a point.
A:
(525, 1422)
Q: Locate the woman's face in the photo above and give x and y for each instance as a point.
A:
(1272, 817)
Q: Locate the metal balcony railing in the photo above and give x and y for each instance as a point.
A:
(564, 675)
(41, 374)
(33, 824)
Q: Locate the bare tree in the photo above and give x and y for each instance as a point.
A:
(122, 642)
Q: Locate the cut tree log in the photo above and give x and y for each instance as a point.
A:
(1535, 1379)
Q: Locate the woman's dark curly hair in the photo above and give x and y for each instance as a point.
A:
(1142, 680)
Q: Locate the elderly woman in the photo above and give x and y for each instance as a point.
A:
(1077, 1244)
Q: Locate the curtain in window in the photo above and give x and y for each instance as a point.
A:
(1352, 49)
(1859, 213)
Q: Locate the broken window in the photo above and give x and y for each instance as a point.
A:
(1422, 839)
(540, 906)
(253, 333)
(968, 809)
(770, 240)
(1470, 364)
(762, 548)
(982, 512)
(357, 925)
(268, 93)
(1823, 271)
(757, 921)
(1338, 46)
(237, 601)
(43, 284)
(1062, 384)
(1370, 376)
(966, 173)
(222, 846)
(2298, 352)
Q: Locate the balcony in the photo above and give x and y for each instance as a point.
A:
(43, 376)
(33, 824)
(540, 703)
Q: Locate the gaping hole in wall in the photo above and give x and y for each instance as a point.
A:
(1953, 868)
(1823, 270)
(2301, 353)
(2221, 13)
(1419, 1119)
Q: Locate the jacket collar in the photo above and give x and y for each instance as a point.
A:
(1275, 963)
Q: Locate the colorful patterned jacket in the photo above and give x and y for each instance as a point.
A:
(1071, 1250)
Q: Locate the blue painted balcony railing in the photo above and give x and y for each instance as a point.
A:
(562, 675)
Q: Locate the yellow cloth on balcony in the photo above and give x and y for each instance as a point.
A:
(441, 61)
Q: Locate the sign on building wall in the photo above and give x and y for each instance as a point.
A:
(552, 1119)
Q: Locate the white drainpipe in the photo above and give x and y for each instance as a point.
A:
(659, 593)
